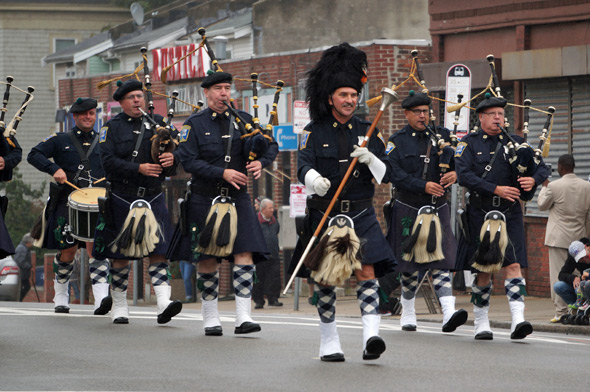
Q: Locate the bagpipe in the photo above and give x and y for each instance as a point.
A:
(256, 139)
(8, 132)
(13, 124)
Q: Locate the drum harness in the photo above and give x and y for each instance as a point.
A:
(84, 161)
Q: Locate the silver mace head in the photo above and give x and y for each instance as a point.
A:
(388, 96)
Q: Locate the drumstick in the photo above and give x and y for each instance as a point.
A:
(99, 180)
(75, 187)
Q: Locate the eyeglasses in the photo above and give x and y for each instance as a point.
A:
(418, 112)
(134, 96)
(494, 114)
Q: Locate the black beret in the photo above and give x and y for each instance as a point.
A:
(413, 100)
(216, 78)
(490, 102)
(125, 87)
(83, 105)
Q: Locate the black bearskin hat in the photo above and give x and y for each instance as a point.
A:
(340, 66)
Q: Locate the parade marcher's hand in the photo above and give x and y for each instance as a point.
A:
(321, 185)
(432, 188)
(235, 177)
(2, 163)
(60, 176)
(254, 167)
(166, 159)
(150, 169)
(526, 183)
(448, 179)
(576, 283)
(363, 154)
(507, 192)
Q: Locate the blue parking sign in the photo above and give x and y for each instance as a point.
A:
(285, 137)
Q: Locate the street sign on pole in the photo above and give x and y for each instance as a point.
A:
(300, 116)
(285, 137)
(458, 82)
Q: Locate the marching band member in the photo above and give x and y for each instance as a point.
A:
(134, 222)
(76, 160)
(212, 151)
(483, 167)
(325, 152)
(420, 183)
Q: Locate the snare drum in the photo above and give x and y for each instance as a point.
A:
(83, 212)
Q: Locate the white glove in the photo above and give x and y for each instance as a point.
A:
(376, 166)
(321, 185)
(364, 155)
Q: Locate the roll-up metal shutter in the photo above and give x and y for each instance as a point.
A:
(571, 123)
(545, 93)
(580, 87)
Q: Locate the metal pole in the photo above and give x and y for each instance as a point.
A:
(135, 281)
(296, 294)
(83, 255)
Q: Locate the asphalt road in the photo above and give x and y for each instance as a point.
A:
(40, 350)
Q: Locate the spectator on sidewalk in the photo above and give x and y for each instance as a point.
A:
(268, 272)
(577, 261)
(568, 202)
(22, 257)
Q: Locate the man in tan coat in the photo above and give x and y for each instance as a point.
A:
(568, 203)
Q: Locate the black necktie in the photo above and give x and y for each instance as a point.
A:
(343, 150)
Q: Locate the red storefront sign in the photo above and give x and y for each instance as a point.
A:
(193, 66)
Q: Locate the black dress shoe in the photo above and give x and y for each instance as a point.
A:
(409, 327)
(337, 357)
(522, 330)
(485, 335)
(375, 347)
(275, 303)
(61, 309)
(247, 327)
(214, 331)
(171, 310)
(121, 320)
(457, 319)
(105, 306)
(259, 306)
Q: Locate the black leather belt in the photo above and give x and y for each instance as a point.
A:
(341, 205)
(418, 201)
(135, 190)
(488, 203)
(213, 191)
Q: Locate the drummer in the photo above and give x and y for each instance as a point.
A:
(76, 161)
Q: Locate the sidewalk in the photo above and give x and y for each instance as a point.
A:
(538, 311)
